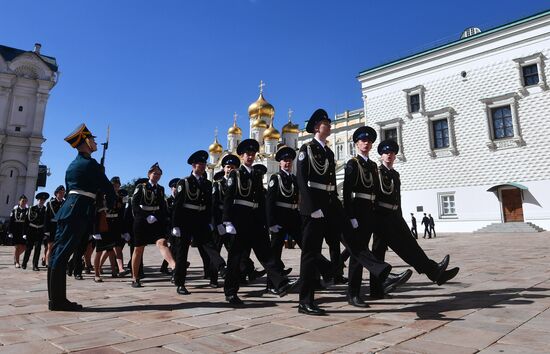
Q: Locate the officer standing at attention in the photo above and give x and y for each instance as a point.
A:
(244, 217)
(191, 219)
(35, 230)
(359, 202)
(52, 207)
(150, 214)
(84, 178)
(392, 230)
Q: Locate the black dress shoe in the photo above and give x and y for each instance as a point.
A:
(357, 301)
(447, 275)
(441, 267)
(78, 277)
(35, 268)
(23, 266)
(311, 309)
(234, 300)
(287, 271)
(271, 290)
(255, 274)
(65, 305)
(136, 284)
(223, 272)
(395, 280)
(214, 283)
(182, 290)
(284, 289)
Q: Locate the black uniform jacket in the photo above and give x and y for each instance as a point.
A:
(390, 188)
(244, 186)
(193, 202)
(312, 199)
(36, 219)
(218, 198)
(287, 194)
(361, 177)
(149, 200)
(52, 207)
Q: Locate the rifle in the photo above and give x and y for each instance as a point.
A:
(101, 208)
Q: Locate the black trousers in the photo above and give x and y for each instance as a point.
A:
(427, 231)
(251, 234)
(414, 231)
(392, 231)
(34, 241)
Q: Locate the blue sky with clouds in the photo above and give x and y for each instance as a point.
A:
(164, 74)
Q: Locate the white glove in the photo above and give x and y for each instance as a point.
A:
(47, 233)
(126, 237)
(221, 229)
(151, 219)
(176, 231)
(354, 223)
(96, 237)
(230, 229)
(10, 235)
(275, 228)
(317, 214)
(24, 237)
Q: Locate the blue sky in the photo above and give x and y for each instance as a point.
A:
(165, 74)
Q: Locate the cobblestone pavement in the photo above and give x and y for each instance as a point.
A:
(498, 303)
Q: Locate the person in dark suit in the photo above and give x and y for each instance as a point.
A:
(83, 179)
(414, 231)
(35, 230)
(392, 230)
(191, 217)
(432, 224)
(426, 223)
(150, 214)
(17, 229)
(244, 217)
(359, 194)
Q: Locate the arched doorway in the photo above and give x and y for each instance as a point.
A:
(510, 196)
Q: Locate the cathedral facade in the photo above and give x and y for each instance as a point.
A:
(26, 78)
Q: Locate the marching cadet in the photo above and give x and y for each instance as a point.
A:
(129, 225)
(172, 239)
(392, 230)
(52, 207)
(84, 178)
(149, 209)
(359, 194)
(322, 213)
(191, 219)
(17, 228)
(35, 230)
(244, 217)
(219, 187)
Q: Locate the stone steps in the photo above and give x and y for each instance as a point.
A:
(511, 227)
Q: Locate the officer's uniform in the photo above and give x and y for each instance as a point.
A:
(17, 225)
(115, 222)
(35, 231)
(392, 230)
(172, 240)
(219, 186)
(244, 208)
(84, 178)
(52, 207)
(191, 219)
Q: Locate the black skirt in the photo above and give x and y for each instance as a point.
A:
(148, 234)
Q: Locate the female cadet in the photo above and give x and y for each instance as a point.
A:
(16, 228)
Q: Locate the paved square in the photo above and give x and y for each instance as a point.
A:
(499, 303)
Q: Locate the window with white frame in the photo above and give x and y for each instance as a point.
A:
(415, 101)
(531, 73)
(339, 151)
(441, 132)
(502, 122)
(393, 129)
(447, 205)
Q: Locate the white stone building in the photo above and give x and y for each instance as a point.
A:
(472, 120)
(26, 78)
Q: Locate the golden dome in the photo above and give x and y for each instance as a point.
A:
(261, 108)
(290, 128)
(215, 147)
(271, 133)
(259, 123)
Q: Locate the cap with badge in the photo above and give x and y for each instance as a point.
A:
(248, 145)
(154, 167)
(260, 169)
(364, 133)
(173, 182)
(285, 152)
(200, 156)
(231, 159)
(218, 175)
(388, 146)
(42, 196)
(317, 116)
(59, 188)
(79, 135)
(116, 180)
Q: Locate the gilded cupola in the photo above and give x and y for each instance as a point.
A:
(261, 108)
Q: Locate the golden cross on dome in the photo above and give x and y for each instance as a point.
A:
(290, 111)
(216, 132)
(262, 84)
(235, 115)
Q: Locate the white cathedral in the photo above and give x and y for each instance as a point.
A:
(26, 78)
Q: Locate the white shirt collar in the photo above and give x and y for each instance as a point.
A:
(196, 176)
(151, 184)
(320, 142)
(366, 158)
(249, 169)
(287, 173)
